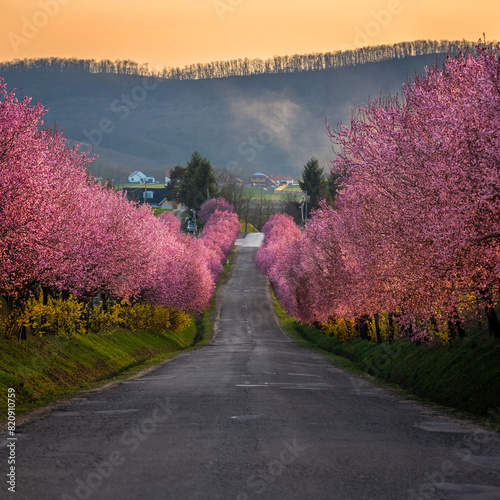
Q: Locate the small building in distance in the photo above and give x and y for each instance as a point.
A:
(167, 176)
(237, 181)
(137, 177)
(260, 180)
(230, 180)
(156, 197)
(281, 179)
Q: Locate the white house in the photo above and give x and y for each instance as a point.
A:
(139, 177)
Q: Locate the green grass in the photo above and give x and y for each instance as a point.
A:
(129, 185)
(159, 211)
(463, 376)
(266, 195)
(43, 369)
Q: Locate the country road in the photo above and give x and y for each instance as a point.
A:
(251, 416)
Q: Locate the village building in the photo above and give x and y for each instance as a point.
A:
(137, 177)
(281, 179)
(260, 180)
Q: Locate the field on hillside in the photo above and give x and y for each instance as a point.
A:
(269, 195)
(256, 192)
(137, 185)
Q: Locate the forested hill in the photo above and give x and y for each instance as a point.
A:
(259, 116)
(244, 67)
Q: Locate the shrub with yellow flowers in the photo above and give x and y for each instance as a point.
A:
(70, 316)
(341, 328)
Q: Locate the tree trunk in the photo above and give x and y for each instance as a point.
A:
(362, 326)
(104, 299)
(491, 316)
(460, 326)
(377, 328)
(493, 323)
(88, 310)
(45, 301)
(22, 329)
(391, 328)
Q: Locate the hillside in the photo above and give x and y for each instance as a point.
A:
(262, 122)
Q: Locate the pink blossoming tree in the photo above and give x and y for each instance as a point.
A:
(415, 233)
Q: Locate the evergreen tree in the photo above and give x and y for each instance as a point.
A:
(312, 179)
(200, 183)
(204, 184)
(185, 191)
(175, 184)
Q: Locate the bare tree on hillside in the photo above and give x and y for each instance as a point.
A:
(242, 67)
(240, 197)
(291, 204)
(261, 209)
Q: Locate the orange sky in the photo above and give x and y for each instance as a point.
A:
(179, 32)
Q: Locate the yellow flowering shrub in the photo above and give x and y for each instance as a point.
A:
(343, 329)
(71, 316)
(106, 321)
(442, 333)
(59, 317)
(384, 328)
(143, 316)
(179, 320)
(11, 323)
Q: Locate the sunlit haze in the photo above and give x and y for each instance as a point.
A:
(180, 32)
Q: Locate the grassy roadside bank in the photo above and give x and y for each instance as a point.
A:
(463, 376)
(45, 369)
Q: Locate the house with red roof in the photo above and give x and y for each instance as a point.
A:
(281, 179)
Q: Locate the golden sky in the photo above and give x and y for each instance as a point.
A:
(178, 32)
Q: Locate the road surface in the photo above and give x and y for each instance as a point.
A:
(251, 416)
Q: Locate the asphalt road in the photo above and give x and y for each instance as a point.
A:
(251, 416)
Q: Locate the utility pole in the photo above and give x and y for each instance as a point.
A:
(145, 190)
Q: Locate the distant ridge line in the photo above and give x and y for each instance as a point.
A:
(244, 67)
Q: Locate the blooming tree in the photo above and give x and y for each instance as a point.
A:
(416, 228)
(420, 210)
(63, 231)
(279, 230)
(218, 237)
(210, 206)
